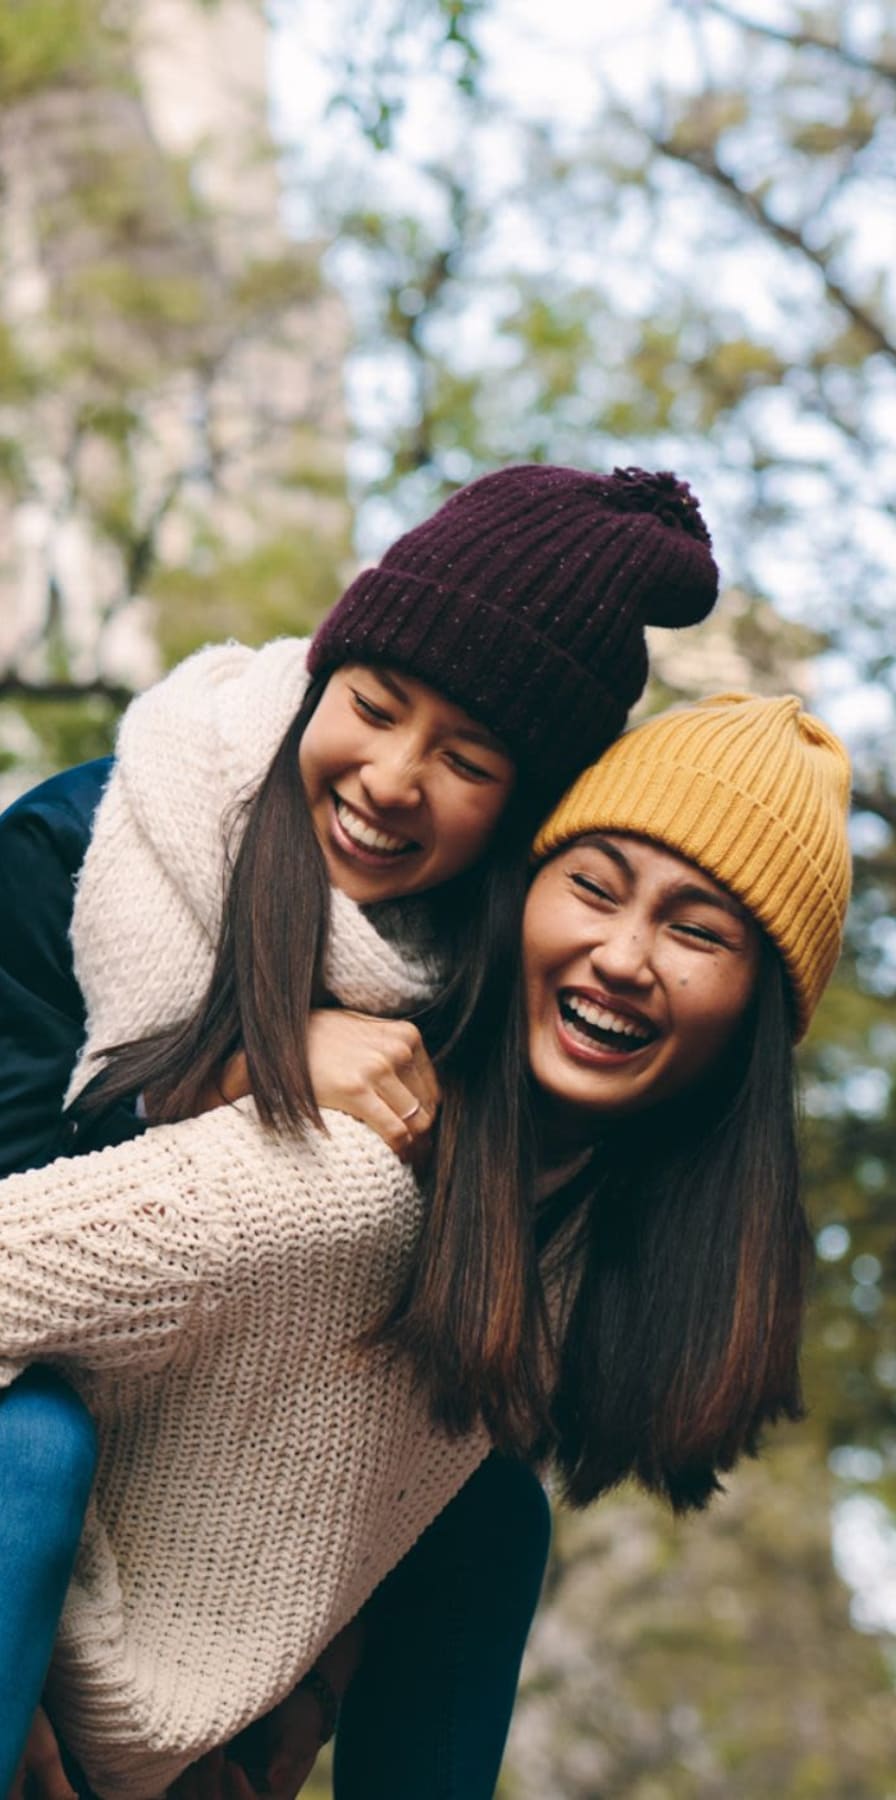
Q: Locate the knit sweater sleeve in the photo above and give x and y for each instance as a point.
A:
(104, 1258)
(109, 1261)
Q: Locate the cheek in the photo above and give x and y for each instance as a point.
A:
(710, 1015)
(466, 822)
(553, 942)
(307, 760)
(313, 749)
(329, 741)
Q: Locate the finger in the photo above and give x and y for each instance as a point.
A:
(208, 1775)
(371, 1109)
(413, 1063)
(237, 1784)
(297, 1779)
(233, 1082)
(411, 1103)
(50, 1782)
(427, 1081)
(45, 1777)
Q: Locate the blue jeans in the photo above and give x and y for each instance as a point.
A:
(427, 1714)
(47, 1463)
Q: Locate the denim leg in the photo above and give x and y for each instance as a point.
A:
(428, 1712)
(47, 1463)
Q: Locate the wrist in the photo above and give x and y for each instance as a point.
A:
(319, 1686)
(339, 1660)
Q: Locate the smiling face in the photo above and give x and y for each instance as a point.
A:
(639, 968)
(404, 788)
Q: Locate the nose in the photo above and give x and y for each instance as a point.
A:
(391, 777)
(621, 957)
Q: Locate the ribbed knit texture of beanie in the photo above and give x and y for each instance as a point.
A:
(756, 792)
(524, 600)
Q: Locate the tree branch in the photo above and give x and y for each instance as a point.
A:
(877, 801)
(706, 163)
(798, 40)
(17, 687)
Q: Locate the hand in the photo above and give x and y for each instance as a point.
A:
(293, 1736)
(40, 1771)
(213, 1777)
(232, 1084)
(378, 1071)
(280, 1750)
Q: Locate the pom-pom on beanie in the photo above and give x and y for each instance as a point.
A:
(524, 600)
(756, 793)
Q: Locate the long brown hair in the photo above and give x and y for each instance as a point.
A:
(684, 1334)
(267, 972)
(480, 1309)
(684, 1252)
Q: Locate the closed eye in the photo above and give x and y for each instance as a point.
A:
(593, 888)
(376, 714)
(471, 771)
(701, 933)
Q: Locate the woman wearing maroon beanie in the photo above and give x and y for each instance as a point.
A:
(442, 706)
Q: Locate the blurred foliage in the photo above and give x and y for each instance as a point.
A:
(291, 575)
(170, 404)
(43, 41)
(709, 1660)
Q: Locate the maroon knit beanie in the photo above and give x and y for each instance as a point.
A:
(524, 600)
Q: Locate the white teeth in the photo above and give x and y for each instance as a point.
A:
(593, 1014)
(366, 836)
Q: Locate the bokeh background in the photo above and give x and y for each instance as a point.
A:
(271, 283)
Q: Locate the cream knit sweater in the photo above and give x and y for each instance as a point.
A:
(204, 1285)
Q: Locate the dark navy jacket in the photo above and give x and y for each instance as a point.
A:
(43, 841)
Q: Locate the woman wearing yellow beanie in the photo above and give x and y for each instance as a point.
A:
(684, 917)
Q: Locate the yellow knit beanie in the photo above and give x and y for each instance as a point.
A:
(754, 791)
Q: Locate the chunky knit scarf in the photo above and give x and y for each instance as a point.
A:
(204, 1287)
(149, 899)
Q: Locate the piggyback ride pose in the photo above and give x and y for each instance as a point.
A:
(450, 691)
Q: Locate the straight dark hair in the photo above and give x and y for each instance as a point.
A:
(268, 970)
(471, 1314)
(679, 1258)
(470, 1321)
(688, 1277)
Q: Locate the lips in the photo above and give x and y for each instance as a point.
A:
(361, 836)
(597, 1022)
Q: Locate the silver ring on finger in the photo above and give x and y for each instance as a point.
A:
(412, 1114)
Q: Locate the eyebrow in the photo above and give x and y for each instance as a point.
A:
(690, 892)
(472, 734)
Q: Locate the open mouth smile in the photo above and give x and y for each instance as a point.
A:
(357, 834)
(592, 1023)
